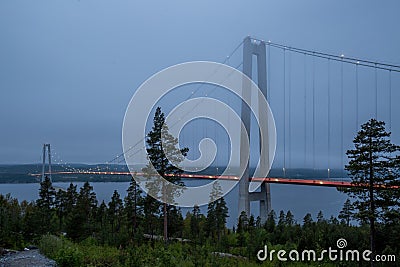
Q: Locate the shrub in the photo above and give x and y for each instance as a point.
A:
(64, 252)
(69, 256)
(49, 245)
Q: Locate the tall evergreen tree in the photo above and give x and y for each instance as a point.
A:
(102, 222)
(60, 207)
(307, 220)
(195, 222)
(165, 157)
(45, 204)
(133, 205)
(46, 195)
(81, 224)
(289, 218)
(151, 209)
(320, 217)
(71, 198)
(115, 209)
(371, 166)
(271, 222)
(221, 212)
(243, 222)
(346, 214)
(242, 228)
(282, 218)
(217, 212)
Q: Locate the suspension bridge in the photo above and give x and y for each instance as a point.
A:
(319, 100)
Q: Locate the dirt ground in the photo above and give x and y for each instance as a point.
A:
(31, 258)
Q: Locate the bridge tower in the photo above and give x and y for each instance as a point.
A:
(258, 48)
(46, 147)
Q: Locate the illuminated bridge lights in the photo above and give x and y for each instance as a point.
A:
(314, 182)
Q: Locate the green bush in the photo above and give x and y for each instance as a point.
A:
(63, 251)
(50, 245)
(69, 256)
(101, 255)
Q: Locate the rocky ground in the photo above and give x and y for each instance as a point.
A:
(31, 258)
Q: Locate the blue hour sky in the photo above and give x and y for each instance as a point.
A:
(69, 68)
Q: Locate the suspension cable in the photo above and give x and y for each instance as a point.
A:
(357, 107)
(329, 117)
(269, 74)
(376, 93)
(341, 120)
(284, 112)
(305, 109)
(290, 109)
(390, 101)
(313, 109)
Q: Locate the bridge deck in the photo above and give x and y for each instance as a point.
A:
(275, 180)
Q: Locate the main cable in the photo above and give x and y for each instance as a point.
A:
(368, 63)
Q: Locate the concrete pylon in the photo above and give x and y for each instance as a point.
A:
(46, 146)
(253, 47)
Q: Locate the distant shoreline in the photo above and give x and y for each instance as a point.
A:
(22, 173)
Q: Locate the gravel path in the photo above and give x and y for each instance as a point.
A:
(31, 258)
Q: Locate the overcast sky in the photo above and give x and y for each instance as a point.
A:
(69, 68)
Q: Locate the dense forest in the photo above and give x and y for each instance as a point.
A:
(72, 228)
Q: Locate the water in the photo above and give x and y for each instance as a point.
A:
(299, 199)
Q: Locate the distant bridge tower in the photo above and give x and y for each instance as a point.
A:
(257, 48)
(46, 147)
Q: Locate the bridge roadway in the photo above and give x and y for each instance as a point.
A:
(273, 180)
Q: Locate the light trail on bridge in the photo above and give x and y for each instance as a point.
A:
(272, 180)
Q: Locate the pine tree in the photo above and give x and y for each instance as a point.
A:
(81, 223)
(271, 222)
(347, 212)
(211, 220)
(282, 219)
(71, 198)
(320, 217)
(134, 202)
(243, 222)
(242, 228)
(46, 195)
(371, 166)
(175, 221)
(115, 209)
(252, 223)
(221, 211)
(217, 212)
(45, 204)
(195, 222)
(289, 218)
(307, 220)
(60, 207)
(10, 222)
(29, 220)
(161, 150)
(151, 208)
(102, 222)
